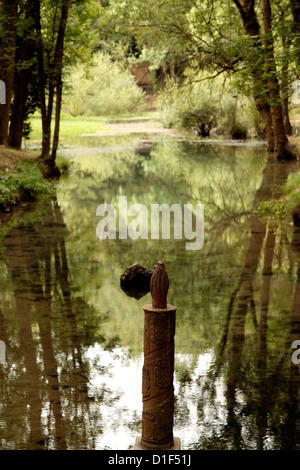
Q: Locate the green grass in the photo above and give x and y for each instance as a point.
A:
(25, 184)
(69, 126)
(74, 126)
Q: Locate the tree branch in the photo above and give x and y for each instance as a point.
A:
(240, 8)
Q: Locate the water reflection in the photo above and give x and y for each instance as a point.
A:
(40, 372)
(74, 340)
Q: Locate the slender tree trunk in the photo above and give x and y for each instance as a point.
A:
(42, 81)
(285, 84)
(54, 84)
(58, 63)
(57, 120)
(9, 10)
(22, 81)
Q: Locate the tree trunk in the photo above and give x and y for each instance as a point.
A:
(42, 82)
(7, 61)
(264, 110)
(54, 83)
(286, 42)
(57, 120)
(264, 76)
(252, 30)
(286, 116)
(58, 62)
(22, 81)
(280, 138)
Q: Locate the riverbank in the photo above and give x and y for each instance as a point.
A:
(11, 159)
(20, 178)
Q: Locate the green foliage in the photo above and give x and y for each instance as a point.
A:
(70, 126)
(289, 203)
(201, 103)
(104, 89)
(201, 119)
(272, 210)
(209, 36)
(232, 119)
(26, 184)
(188, 105)
(292, 184)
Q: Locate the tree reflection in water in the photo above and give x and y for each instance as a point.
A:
(266, 378)
(243, 311)
(45, 387)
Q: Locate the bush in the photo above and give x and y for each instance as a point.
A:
(201, 120)
(200, 105)
(188, 106)
(233, 119)
(106, 89)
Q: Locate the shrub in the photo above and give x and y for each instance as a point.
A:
(106, 89)
(201, 119)
(233, 120)
(200, 105)
(188, 106)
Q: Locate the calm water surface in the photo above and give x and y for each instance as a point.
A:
(72, 374)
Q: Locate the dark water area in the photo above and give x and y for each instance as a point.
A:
(72, 351)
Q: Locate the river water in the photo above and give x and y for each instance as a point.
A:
(72, 341)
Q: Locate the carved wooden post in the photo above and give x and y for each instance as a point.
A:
(158, 369)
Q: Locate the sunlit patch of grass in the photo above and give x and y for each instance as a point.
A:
(70, 126)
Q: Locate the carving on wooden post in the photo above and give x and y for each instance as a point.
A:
(158, 369)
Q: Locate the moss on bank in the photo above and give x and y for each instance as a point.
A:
(20, 178)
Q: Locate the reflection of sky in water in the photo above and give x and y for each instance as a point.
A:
(51, 399)
(123, 380)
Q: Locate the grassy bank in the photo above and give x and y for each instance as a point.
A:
(70, 126)
(20, 178)
(74, 126)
